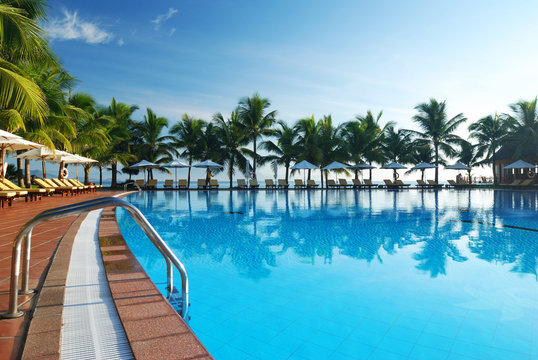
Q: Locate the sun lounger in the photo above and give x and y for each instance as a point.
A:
(368, 183)
(343, 183)
(422, 184)
(7, 197)
(390, 185)
(311, 184)
(202, 184)
(90, 187)
(453, 184)
(283, 184)
(140, 182)
(33, 194)
(433, 184)
(254, 184)
(270, 184)
(73, 190)
(151, 184)
(526, 182)
(241, 184)
(169, 183)
(299, 184)
(331, 184)
(44, 185)
(18, 193)
(356, 183)
(401, 183)
(81, 188)
(213, 184)
(182, 184)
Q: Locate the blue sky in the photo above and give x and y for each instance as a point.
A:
(308, 57)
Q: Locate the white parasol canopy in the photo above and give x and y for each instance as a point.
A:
(175, 164)
(520, 164)
(9, 141)
(458, 166)
(394, 166)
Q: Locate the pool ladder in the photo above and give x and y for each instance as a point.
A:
(180, 300)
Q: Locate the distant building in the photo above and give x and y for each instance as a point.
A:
(505, 156)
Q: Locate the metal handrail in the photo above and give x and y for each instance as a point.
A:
(76, 209)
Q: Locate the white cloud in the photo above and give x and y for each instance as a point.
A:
(71, 27)
(121, 42)
(172, 31)
(163, 17)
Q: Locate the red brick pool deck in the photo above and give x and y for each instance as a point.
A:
(153, 328)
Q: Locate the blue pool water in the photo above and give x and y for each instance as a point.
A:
(448, 274)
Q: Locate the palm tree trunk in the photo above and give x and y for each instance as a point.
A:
(255, 156)
(437, 162)
(189, 174)
(469, 175)
(87, 168)
(287, 170)
(20, 176)
(230, 172)
(493, 168)
(321, 172)
(100, 175)
(27, 177)
(309, 171)
(356, 174)
(114, 166)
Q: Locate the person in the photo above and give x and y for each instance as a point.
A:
(459, 179)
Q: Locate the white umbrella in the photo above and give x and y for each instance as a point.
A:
(9, 141)
(335, 165)
(144, 164)
(208, 164)
(175, 164)
(423, 166)
(394, 166)
(42, 153)
(247, 170)
(458, 166)
(362, 167)
(275, 169)
(520, 164)
(304, 165)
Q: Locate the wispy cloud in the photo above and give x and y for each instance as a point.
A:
(163, 17)
(121, 42)
(71, 27)
(172, 31)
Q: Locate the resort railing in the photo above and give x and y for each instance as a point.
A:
(25, 235)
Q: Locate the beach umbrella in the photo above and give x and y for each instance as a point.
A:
(520, 164)
(247, 170)
(175, 164)
(144, 164)
(458, 166)
(394, 166)
(304, 165)
(335, 165)
(9, 141)
(42, 153)
(275, 169)
(362, 167)
(423, 166)
(208, 164)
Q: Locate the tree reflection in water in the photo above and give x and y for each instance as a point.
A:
(253, 230)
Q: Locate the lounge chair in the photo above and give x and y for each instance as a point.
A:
(422, 184)
(254, 184)
(401, 183)
(60, 185)
(213, 184)
(311, 184)
(390, 185)
(140, 183)
(169, 183)
(182, 184)
(299, 184)
(343, 183)
(515, 182)
(283, 184)
(18, 193)
(90, 187)
(434, 184)
(526, 182)
(368, 183)
(270, 184)
(81, 187)
(331, 184)
(356, 183)
(151, 184)
(7, 197)
(50, 188)
(34, 194)
(241, 184)
(202, 184)
(452, 183)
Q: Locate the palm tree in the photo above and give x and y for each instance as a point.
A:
(188, 133)
(469, 154)
(330, 144)
(523, 137)
(308, 136)
(437, 129)
(232, 137)
(256, 122)
(151, 144)
(285, 149)
(118, 130)
(490, 132)
(397, 145)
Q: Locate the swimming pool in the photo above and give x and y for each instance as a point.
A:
(412, 274)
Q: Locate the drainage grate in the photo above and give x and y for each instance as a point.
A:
(91, 326)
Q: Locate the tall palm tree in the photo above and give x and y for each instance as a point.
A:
(152, 145)
(437, 129)
(252, 112)
(397, 145)
(232, 138)
(490, 132)
(118, 130)
(330, 144)
(187, 136)
(285, 149)
(523, 137)
(469, 154)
